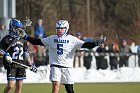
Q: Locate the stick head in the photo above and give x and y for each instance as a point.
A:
(103, 38)
(42, 71)
(27, 22)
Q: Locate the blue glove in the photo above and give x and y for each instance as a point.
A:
(8, 58)
(25, 37)
(33, 68)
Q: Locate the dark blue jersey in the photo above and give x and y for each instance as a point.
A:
(16, 50)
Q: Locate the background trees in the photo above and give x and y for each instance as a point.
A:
(117, 19)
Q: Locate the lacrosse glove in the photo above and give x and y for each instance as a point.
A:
(33, 68)
(100, 41)
(8, 58)
(22, 34)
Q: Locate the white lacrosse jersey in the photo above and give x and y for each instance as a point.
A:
(62, 49)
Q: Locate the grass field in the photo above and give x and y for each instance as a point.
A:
(82, 88)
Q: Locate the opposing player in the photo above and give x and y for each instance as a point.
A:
(12, 48)
(62, 49)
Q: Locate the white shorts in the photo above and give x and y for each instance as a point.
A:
(63, 75)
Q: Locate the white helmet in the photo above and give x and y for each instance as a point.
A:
(63, 24)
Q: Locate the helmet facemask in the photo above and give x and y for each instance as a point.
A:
(17, 30)
(62, 25)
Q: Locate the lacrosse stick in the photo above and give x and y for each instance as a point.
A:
(41, 72)
(27, 22)
(16, 39)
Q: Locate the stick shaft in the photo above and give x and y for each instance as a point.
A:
(11, 44)
(21, 64)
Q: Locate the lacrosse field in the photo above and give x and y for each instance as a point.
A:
(81, 88)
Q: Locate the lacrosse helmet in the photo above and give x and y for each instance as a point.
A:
(62, 24)
(15, 27)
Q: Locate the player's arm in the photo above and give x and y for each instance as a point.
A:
(89, 45)
(26, 53)
(4, 54)
(34, 41)
(2, 47)
(27, 57)
(94, 44)
(30, 63)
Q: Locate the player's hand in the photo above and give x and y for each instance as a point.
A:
(33, 68)
(100, 41)
(22, 34)
(8, 58)
(103, 38)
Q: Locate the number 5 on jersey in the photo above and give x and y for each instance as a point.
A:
(59, 49)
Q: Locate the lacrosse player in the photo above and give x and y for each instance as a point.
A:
(14, 49)
(62, 49)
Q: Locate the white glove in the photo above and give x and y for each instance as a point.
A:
(8, 58)
(22, 34)
(103, 38)
(33, 68)
(100, 41)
